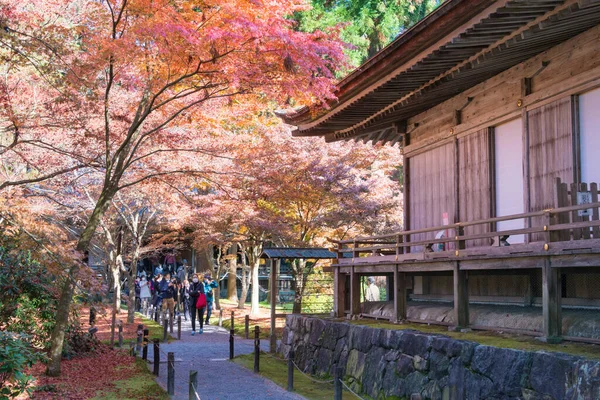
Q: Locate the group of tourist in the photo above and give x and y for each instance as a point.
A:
(178, 295)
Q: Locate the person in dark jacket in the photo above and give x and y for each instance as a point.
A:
(167, 292)
(184, 295)
(196, 288)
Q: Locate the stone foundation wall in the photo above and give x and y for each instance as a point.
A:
(396, 364)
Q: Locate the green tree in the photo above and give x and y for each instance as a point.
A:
(366, 25)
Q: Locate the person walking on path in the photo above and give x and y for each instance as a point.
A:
(167, 293)
(196, 288)
(184, 295)
(145, 292)
(209, 285)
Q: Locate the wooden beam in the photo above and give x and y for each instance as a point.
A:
(461, 298)
(551, 299)
(339, 288)
(399, 296)
(354, 292)
(526, 86)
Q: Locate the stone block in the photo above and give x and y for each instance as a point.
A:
(404, 366)
(415, 344)
(550, 373)
(414, 383)
(355, 364)
(504, 367)
(420, 364)
(587, 381)
(439, 364)
(478, 387)
(316, 331)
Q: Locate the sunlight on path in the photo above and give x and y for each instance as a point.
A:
(218, 379)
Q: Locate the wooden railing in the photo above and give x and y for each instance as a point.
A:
(555, 225)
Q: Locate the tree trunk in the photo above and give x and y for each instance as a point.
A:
(232, 278)
(66, 295)
(131, 283)
(62, 321)
(255, 309)
(300, 283)
(245, 287)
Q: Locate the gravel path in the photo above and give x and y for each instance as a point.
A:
(218, 378)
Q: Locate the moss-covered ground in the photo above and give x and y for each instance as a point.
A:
(276, 370)
(497, 339)
(139, 386)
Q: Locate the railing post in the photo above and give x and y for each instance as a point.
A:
(247, 326)
(165, 327)
(290, 365)
(337, 383)
(459, 243)
(231, 339)
(140, 339)
(256, 349)
(232, 320)
(193, 385)
(171, 373)
(145, 349)
(179, 327)
(156, 356)
(220, 317)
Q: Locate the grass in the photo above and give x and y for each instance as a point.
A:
(276, 371)
(496, 339)
(140, 386)
(240, 329)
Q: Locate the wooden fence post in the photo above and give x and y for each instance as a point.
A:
(171, 373)
(193, 385)
(220, 317)
(179, 327)
(247, 326)
(337, 383)
(145, 349)
(256, 349)
(290, 386)
(232, 320)
(156, 356)
(231, 339)
(165, 327)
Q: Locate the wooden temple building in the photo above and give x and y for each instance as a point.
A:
(496, 105)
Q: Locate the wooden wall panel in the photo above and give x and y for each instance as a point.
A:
(474, 183)
(499, 95)
(431, 192)
(550, 134)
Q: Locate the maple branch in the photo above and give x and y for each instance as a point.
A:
(175, 172)
(208, 153)
(40, 178)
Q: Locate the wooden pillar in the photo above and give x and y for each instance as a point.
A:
(354, 292)
(461, 298)
(339, 288)
(273, 295)
(399, 295)
(551, 302)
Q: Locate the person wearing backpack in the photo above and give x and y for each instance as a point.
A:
(209, 285)
(197, 303)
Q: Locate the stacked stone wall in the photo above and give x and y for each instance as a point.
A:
(397, 364)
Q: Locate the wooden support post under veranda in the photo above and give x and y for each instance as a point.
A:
(551, 302)
(461, 298)
(399, 295)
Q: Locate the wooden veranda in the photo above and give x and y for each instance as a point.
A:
(554, 239)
